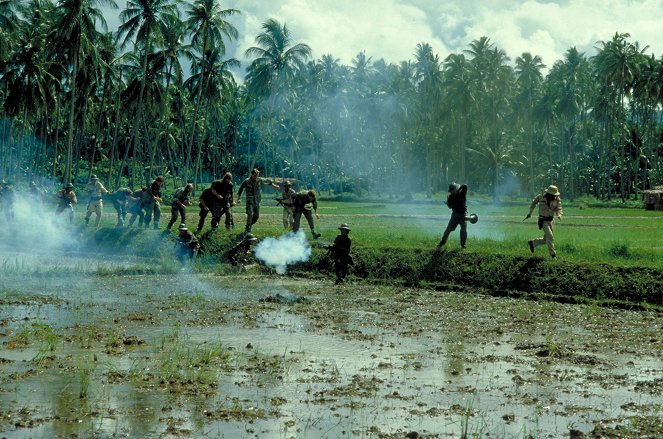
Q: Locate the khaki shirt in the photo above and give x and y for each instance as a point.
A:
(95, 189)
(554, 209)
(253, 189)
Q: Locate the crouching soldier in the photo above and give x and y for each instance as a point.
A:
(120, 199)
(340, 253)
(187, 245)
(181, 199)
(66, 200)
(239, 254)
(136, 207)
(94, 190)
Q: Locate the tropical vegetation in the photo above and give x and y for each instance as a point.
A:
(76, 99)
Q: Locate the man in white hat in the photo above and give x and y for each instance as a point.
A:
(550, 206)
(457, 202)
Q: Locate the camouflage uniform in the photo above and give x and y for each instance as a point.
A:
(300, 202)
(207, 200)
(66, 200)
(136, 207)
(457, 202)
(186, 245)
(152, 204)
(120, 199)
(7, 199)
(94, 190)
(181, 198)
(550, 205)
(240, 253)
(253, 187)
(223, 206)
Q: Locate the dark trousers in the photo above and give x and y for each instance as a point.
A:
(455, 221)
(298, 217)
(175, 211)
(252, 215)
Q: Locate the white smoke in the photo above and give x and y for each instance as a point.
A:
(283, 251)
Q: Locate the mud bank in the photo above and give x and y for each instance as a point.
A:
(191, 355)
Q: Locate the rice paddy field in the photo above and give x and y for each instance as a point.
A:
(125, 343)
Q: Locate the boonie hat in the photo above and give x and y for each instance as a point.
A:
(182, 228)
(250, 237)
(344, 226)
(93, 177)
(552, 190)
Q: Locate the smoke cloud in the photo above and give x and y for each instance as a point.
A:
(283, 251)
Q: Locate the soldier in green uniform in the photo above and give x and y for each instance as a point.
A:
(253, 187)
(66, 200)
(340, 252)
(94, 191)
(135, 207)
(457, 202)
(187, 245)
(206, 202)
(152, 199)
(240, 253)
(181, 199)
(120, 199)
(7, 199)
(550, 206)
(300, 202)
(223, 201)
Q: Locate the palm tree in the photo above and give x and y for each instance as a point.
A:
(208, 25)
(458, 88)
(275, 64)
(145, 20)
(528, 80)
(74, 34)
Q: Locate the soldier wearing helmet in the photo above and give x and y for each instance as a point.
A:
(240, 253)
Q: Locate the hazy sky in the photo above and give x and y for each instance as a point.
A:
(391, 29)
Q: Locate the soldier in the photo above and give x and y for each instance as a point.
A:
(286, 201)
(181, 199)
(240, 253)
(300, 204)
(457, 202)
(253, 186)
(206, 203)
(186, 246)
(120, 199)
(94, 190)
(550, 205)
(340, 252)
(152, 203)
(223, 201)
(7, 199)
(136, 207)
(66, 200)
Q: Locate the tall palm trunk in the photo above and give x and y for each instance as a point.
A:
(66, 178)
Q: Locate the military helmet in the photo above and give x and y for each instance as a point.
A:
(182, 228)
(249, 237)
(453, 188)
(93, 177)
(344, 226)
(68, 186)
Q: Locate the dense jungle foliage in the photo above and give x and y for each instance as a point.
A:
(78, 99)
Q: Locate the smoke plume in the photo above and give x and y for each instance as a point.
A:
(283, 251)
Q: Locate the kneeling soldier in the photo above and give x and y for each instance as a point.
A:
(187, 245)
(240, 253)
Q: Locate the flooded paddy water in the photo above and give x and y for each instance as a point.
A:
(201, 355)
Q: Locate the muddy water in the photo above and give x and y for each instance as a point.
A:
(198, 355)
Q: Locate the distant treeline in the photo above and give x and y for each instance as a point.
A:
(77, 99)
